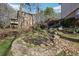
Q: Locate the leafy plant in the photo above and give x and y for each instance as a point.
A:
(62, 53)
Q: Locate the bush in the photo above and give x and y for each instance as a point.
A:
(62, 53)
(68, 22)
(77, 30)
(71, 30)
(1, 24)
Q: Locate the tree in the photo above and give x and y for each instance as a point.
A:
(49, 11)
(37, 12)
(21, 6)
(25, 6)
(28, 6)
(6, 13)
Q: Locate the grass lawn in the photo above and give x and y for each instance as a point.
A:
(5, 45)
(70, 36)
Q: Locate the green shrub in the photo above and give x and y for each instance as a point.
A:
(77, 30)
(62, 53)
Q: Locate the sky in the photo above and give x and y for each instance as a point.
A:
(55, 6)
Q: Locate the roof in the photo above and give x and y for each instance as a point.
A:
(68, 8)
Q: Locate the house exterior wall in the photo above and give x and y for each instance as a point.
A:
(68, 9)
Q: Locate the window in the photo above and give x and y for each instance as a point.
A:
(77, 14)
